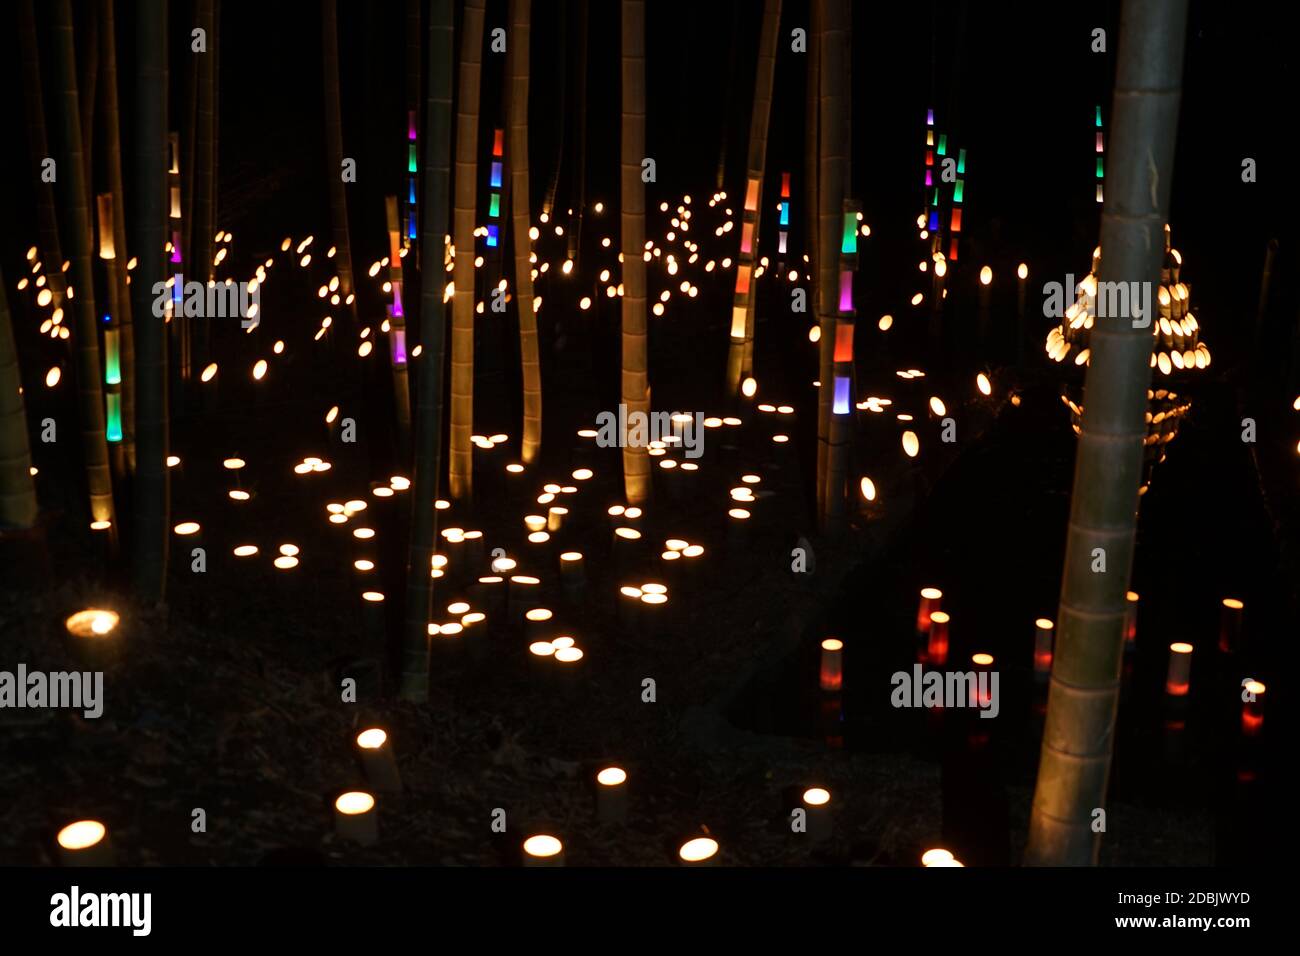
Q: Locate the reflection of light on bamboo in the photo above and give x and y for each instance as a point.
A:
(831, 673)
(1178, 683)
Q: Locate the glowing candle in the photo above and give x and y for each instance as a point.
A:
(84, 843)
(1130, 619)
(611, 795)
(355, 817)
(1043, 630)
(377, 760)
(1178, 683)
(937, 652)
(1230, 625)
(842, 399)
(831, 673)
(700, 851)
(1252, 707)
(846, 292)
(817, 810)
(930, 598)
(543, 850)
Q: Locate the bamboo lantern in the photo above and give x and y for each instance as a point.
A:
(699, 851)
(1130, 620)
(817, 806)
(521, 590)
(90, 632)
(85, 843)
(1178, 683)
(930, 598)
(629, 607)
(831, 673)
(573, 573)
(543, 850)
(538, 624)
(937, 651)
(378, 761)
(1230, 625)
(981, 699)
(1252, 708)
(1043, 631)
(611, 795)
(356, 818)
(555, 518)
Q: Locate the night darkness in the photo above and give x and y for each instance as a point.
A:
(265, 602)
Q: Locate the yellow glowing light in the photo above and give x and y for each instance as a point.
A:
(543, 846)
(868, 488)
(81, 835)
(233, 464)
(1233, 603)
(371, 739)
(983, 384)
(93, 622)
(911, 444)
(698, 850)
(187, 527)
(568, 655)
(363, 564)
(816, 797)
(937, 406)
(1022, 271)
(986, 275)
(245, 550)
(365, 534)
(541, 648)
(935, 857)
(209, 373)
(982, 660)
(259, 370)
(354, 802)
(1180, 647)
(611, 777)
(52, 377)
(285, 562)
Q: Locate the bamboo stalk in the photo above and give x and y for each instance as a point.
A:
(117, 265)
(1084, 695)
(462, 316)
(149, 227)
(47, 223)
(334, 154)
(830, 188)
(199, 259)
(90, 391)
(517, 68)
(635, 381)
(429, 368)
(18, 507)
(756, 169)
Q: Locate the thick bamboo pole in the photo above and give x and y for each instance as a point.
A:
(199, 259)
(1084, 696)
(429, 366)
(117, 265)
(462, 314)
(17, 490)
(740, 359)
(830, 190)
(334, 156)
(90, 390)
(149, 229)
(517, 67)
(635, 380)
(47, 223)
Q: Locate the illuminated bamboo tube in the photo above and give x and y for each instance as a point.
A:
(831, 673)
(656, 615)
(1043, 632)
(356, 817)
(1130, 620)
(980, 699)
(1230, 625)
(573, 573)
(698, 851)
(1252, 708)
(474, 556)
(378, 761)
(929, 603)
(937, 651)
(629, 608)
(626, 549)
(816, 803)
(84, 843)
(372, 614)
(611, 795)
(93, 637)
(1178, 682)
(521, 593)
(539, 624)
(555, 516)
(737, 533)
(543, 850)
(489, 593)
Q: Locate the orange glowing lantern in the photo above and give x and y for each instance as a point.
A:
(937, 651)
(831, 674)
(1178, 683)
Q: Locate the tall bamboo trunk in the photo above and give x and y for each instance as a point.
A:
(89, 61)
(740, 355)
(76, 227)
(830, 191)
(1084, 694)
(117, 265)
(562, 57)
(149, 233)
(429, 366)
(517, 66)
(17, 490)
(462, 315)
(47, 223)
(839, 428)
(334, 153)
(200, 258)
(636, 385)
(578, 195)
